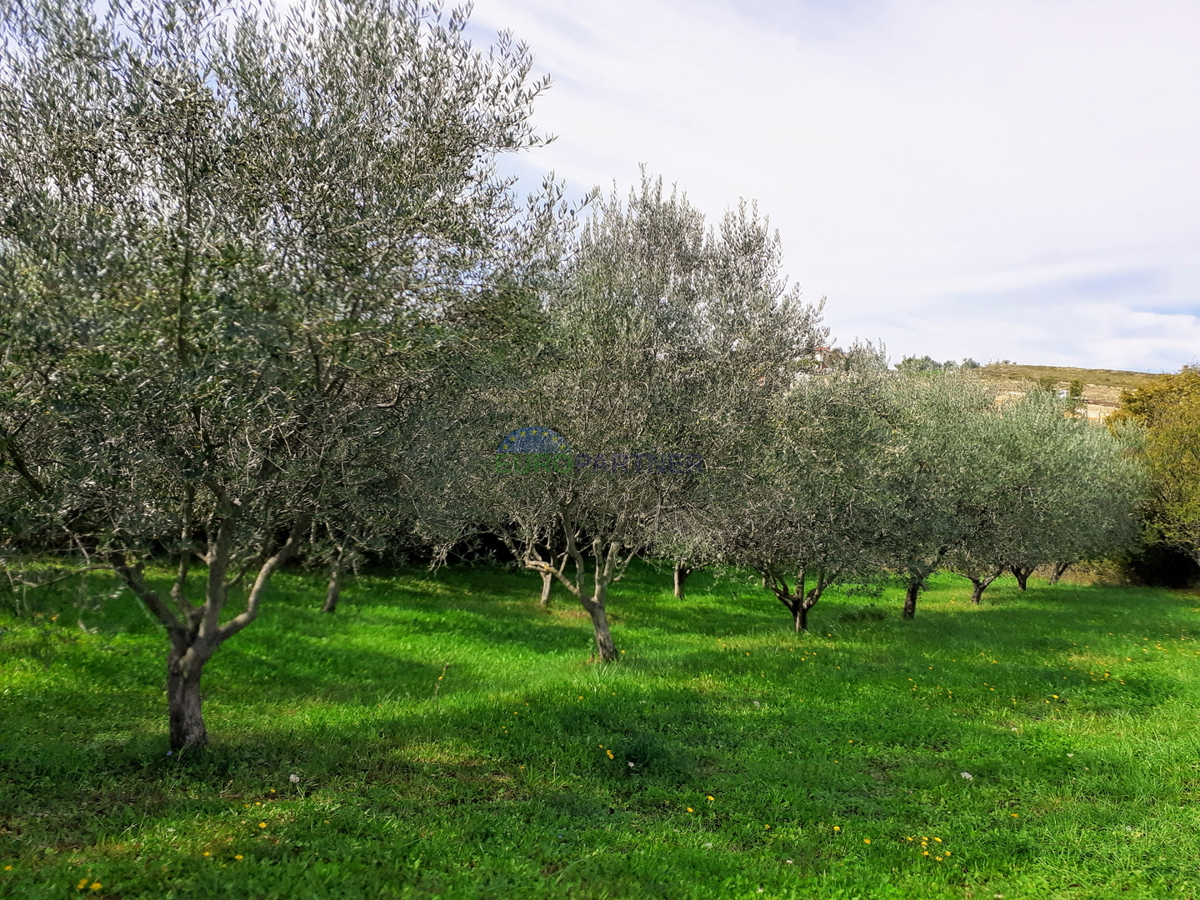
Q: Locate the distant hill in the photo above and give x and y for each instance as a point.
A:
(1101, 387)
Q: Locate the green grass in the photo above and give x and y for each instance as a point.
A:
(1072, 708)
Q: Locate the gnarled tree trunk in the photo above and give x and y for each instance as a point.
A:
(682, 572)
(607, 564)
(910, 598)
(980, 584)
(1022, 574)
(196, 631)
(334, 591)
(1060, 569)
(800, 602)
(547, 581)
(184, 716)
(606, 650)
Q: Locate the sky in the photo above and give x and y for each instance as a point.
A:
(1012, 180)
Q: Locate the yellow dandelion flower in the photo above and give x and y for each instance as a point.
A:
(609, 752)
(710, 796)
(909, 840)
(96, 885)
(239, 856)
(939, 840)
(82, 884)
(947, 852)
(1015, 815)
(8, 868)
(689, 809)
(837, 827)
(262, 824)
(938, 858)
(206, 853)
(866, 840)
(925, 853)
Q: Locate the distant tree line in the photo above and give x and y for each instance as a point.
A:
(916, 364)
(266, 299)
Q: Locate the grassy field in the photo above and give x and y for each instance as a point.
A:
(451, 740)
(1100, 386)
(1063, 375)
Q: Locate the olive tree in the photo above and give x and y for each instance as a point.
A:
(237, 254)
(804, 511)
(1071, 487)
(662, 331)
(755, 338)
(1050, 488)
(928, 483)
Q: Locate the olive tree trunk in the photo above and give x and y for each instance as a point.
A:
(606, 565)
(1060, 569)
(804, 598)
(910, 597)
(547, 583)
(980, 583)
(606, 650)
(196, 631)
(682, 571)
(184, 715)
(334, 591)
(1022, 573)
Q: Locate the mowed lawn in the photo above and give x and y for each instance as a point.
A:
(453, 740)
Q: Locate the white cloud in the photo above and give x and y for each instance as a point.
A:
(1004, 180)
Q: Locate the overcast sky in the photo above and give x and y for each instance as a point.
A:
(1011, 180)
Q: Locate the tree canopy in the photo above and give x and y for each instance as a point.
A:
(238, 255)
(1169, 411)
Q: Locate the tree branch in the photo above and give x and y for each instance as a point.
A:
(132, 576)
(250, 613)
